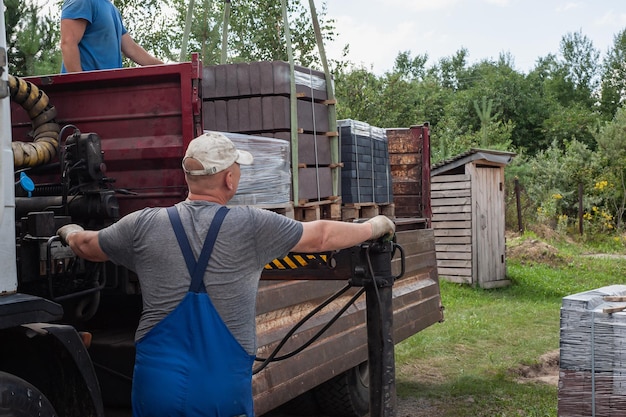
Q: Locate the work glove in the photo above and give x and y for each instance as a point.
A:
(68, 229)
(382, 226)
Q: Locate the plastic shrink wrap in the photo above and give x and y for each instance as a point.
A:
(592, 375)
(267, 182)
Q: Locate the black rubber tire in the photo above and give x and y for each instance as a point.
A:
(18, 398)
(303, 405)
(346, 395)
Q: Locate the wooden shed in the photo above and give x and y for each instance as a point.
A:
(468, 204)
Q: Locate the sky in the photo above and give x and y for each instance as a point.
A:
(377, 30)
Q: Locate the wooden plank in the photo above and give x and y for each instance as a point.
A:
(615, 309)
(452, 263)
(450, 201)
(422, 246)
(454, 248)
(442, 217)
(456, 279)
(466, 192)
(466, 272)
(452, 225)
(442, 186)
(618, 298)
(421, 239)
(454, 255)
(453, 239)
(448, 178)
(452, 232)
(453, 209)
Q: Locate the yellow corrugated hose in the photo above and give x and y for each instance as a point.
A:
(45, 131)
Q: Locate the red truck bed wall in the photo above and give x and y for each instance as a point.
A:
(144, 116)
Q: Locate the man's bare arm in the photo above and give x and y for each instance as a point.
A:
(326, 235)
(72, 31)
(85, 244)
(136, 53)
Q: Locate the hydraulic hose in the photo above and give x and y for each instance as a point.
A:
(45, 131)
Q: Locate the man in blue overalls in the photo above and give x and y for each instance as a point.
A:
(199, 265)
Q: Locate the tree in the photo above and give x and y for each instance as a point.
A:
(517, 104)
(255, 32)
(411, 69)
(33, 39)
(152, 25)
(573, 77)
(485, 116)
(575, 122)
(358, 94)
(450, 70)
(612, 148)
(613, 90)
(581, 60)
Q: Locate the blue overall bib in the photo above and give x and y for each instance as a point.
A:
(190, 364)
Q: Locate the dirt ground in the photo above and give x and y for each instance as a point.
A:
(545, 371)
(533, 251)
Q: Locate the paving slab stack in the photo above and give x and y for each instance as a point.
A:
(592, 376)
(366, 174)
(253, 98)
(267, 182)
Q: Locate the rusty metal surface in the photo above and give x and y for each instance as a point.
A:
(145, 117)
(409, 157)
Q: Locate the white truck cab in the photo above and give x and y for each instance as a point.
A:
(8, 276)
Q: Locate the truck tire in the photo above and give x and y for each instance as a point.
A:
(18, 398)
(346, 395)
(304, 405)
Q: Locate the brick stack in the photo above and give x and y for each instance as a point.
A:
(253, 98)
(365, 176)
(592, 377)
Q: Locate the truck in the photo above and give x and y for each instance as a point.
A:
(90, 147)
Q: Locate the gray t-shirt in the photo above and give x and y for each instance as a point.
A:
(144, 242)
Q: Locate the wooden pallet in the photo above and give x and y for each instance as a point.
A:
(318, 210)
(284, 209)
(354, 211)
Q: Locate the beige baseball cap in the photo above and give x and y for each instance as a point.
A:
(215, 152)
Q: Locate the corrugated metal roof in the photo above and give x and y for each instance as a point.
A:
(495, 156)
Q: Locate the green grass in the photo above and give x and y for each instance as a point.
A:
(466, 365)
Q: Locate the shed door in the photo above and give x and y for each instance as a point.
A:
(489, 230)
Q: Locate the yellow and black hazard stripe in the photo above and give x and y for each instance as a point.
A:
(293, 261)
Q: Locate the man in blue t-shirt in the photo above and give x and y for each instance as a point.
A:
(93, 37)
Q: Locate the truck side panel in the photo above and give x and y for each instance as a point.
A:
(416, 301)
(145, 118)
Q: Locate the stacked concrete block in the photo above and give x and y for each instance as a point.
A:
(254, 98)
(592, 376)
(366, 175)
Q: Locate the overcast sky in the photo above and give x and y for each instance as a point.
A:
(377, 30)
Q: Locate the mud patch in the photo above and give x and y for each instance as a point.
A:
(545, 371)
(422, 373)
(418, 407)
